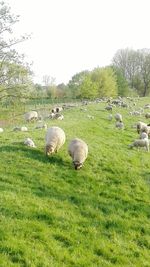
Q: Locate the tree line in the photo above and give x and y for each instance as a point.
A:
(128, 73)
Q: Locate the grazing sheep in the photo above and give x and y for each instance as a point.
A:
(29, 142)
(143, 135)
(140, 143)
(140, 125)
(1, 130)
(57, 109)
(108, 108)
(31, 116)
(147, 115)
(55, 138)
(78, 150)
(119, 125)
(118, 117)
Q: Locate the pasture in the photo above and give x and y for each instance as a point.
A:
(54, 216)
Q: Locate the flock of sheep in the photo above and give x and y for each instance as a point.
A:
(77, 149)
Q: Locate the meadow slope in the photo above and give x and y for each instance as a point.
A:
(54, 216)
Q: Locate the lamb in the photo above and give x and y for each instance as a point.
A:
(118, 117)
(78, 150)
(55, 138)
(29, 142)
(140, 143)
(31, 116)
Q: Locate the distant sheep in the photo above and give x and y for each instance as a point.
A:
(21, 129)
(119, 125)
(29, 142)
(55, 138)
(140, 125)
(78, 150)
(118, 117)
(147, 115)
(31, 116)
(143, 135)
(57, 109)
(56, 116)
(140, 143)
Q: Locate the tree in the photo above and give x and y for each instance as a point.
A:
(16, 84)
(88, 89)
(135, 67)
(75, 83)
(122, 84)
(10, 60)
(106, 81)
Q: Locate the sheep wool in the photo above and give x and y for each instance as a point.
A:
(140, 143)
(78, 150)
(31, 116)
(29, 142)
(55, 138)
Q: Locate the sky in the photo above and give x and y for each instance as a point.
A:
(69, 36)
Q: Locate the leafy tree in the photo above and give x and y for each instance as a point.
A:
(88, 88)
(135, 67)
(106, 81)
(123, 88)
(75, 83)
(10, 61)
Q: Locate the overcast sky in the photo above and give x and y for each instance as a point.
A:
(69, 36)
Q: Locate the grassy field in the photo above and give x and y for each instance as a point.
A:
(54, 216)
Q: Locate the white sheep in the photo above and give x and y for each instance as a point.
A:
(119, 125)
(1, 130)
(55, 138)
(143, 135)
(140, 125)
(31, 116)
(22, 128)
(29, 142)
(140, 143)
(78, 150)
(118, 117)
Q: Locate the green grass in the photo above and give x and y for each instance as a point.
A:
(54, 216)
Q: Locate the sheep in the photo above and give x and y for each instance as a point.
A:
(78, 150)
(29, 142)
(57, 109)
(119, 125)
(147, 115)
(31, 116)
(140, 143)
(143, 135)
(55, 138)
(118, 117)
(140, 125)
(56, 116)
(108, 108)
(1, 130)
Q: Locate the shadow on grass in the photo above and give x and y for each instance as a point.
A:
(33, 153)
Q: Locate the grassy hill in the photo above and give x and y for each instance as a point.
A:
(54, 216)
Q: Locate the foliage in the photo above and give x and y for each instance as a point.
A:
(135, 67)
(75, 83)
(122, 84)
(12, 68)
(106, 81)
